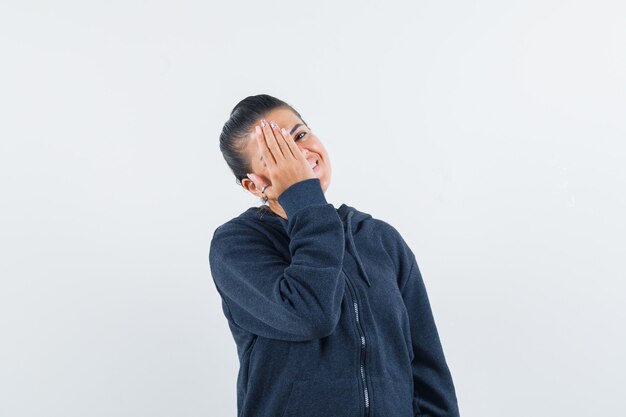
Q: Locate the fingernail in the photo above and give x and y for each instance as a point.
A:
(273, 124)
(263, 122)
(258, 130)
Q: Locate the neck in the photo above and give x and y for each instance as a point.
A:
(277, 209)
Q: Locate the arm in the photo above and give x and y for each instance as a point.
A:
(434, 392)
(265, 294)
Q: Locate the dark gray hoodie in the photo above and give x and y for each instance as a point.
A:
(329, 313)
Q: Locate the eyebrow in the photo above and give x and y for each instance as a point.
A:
(293, 129)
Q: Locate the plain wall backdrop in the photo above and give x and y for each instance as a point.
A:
(491, 134)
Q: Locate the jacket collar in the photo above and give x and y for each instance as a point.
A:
(350, 215)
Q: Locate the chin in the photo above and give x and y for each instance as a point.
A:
(324, 183)
(324, 177)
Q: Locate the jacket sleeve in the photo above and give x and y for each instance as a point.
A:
(267, 295)
(434, 392)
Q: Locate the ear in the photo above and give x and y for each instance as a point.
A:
(250, 186)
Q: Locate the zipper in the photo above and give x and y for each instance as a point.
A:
(363, 351)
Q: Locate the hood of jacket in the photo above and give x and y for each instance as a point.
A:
(351, 219)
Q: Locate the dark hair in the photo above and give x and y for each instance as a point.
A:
(234, 133)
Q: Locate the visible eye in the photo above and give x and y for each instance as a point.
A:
(298, 136)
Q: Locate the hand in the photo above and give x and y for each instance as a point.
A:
(285, 162)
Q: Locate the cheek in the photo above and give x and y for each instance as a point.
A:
(313, 146)
(321, 151)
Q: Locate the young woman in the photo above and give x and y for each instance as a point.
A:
(327, 306)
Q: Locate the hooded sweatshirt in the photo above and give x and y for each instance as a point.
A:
(329, 313)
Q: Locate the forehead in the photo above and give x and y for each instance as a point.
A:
(284, 117)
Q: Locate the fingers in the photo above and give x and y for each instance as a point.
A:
(289, 149)
(295, 150)
(286, 142)
(266, 153)
(272, 143)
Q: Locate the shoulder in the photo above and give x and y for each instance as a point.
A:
(253, 218)
(386, 229)
(376, 226)
(394, 243)
(252, 225)
(379, 232)
(389, 237)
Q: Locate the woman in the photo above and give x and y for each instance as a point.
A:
(327, 306)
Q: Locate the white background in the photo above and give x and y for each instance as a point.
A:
(489, 133)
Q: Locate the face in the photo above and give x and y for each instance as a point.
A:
(309, 144)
